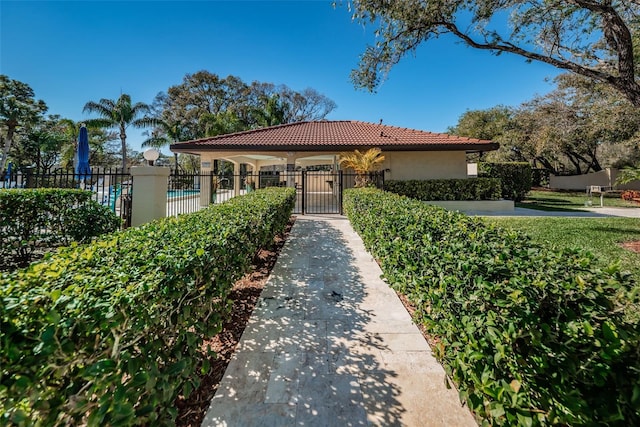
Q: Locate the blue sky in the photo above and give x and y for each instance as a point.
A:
(71, 52)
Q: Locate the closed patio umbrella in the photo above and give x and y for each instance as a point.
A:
(83, 171)
(7, 176)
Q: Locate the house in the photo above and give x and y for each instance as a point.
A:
(305, 155)
(409, 153)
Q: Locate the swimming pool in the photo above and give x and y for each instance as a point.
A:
(172, 194)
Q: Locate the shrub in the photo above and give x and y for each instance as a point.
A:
(447, 189)
(531, 336)
(540, 177)
(109, 333)
(516, 178)
(45, 218)
(630, 195)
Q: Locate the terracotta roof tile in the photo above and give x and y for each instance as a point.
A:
(332, 135)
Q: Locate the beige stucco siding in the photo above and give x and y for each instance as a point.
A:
(406, 165)
(402, 165)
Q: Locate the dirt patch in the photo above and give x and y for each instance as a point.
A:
(632, 246)
(245, 294)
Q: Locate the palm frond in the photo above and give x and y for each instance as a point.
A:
(626, 175)
(146, 122)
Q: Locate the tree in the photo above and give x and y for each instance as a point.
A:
(41, 145)
(307, 105)
(628, 175)
(491, 124)
(272, 112)
(18, 108)
(592, 38)
(120, 114)
(205, 104)
(578, 127)
(362, 163)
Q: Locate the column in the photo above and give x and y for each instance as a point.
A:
(149, 199)
(207, 193)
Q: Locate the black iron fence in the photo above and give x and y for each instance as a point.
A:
(110, 187)
(318, 192)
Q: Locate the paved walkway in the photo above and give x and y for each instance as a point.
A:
(330, 344)
(593, 212)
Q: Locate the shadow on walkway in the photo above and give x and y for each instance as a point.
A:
(330, 344)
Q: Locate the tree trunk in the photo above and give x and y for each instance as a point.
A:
(546, 164)
(123, 140)
(7, 146)
(574, 161)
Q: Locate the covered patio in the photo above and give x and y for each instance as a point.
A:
(292, 148)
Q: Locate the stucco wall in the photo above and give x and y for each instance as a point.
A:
(604, 178)
(402, 165)
(425, 165)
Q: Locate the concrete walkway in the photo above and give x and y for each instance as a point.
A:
(593, 212)
(330, 344)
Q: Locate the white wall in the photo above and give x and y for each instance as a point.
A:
(603, 178)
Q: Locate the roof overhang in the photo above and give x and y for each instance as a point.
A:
(190, 148)
(332, 137)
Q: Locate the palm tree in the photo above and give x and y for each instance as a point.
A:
(362, 164)
(164, 134)
(120, 114)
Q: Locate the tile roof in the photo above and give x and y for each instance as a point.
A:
(334, 135)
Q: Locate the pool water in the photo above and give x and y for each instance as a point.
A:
(171, 194)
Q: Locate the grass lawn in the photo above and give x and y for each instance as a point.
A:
(563, 201)
(601, 236)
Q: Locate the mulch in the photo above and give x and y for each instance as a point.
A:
(244, 294)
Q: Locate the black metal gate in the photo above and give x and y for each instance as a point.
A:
(321, 192)
(318, 192)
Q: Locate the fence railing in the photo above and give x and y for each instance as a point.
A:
(110, 187)
(317, 191)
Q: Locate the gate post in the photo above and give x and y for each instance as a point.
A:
(304, 192)
(340, 186)
(150, 199)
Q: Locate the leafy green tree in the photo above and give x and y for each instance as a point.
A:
(490, 124)
(18, 109)
(628, 175)
(592, 38)
(577, 128)
(41, 145)
(102, 150)
(205, 104)
(273, 111)
(120, 114)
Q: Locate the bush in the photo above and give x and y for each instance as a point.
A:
(32, 219)
(516, 178)
(109, 333)
(447, 189)
(530, 336)
(630, 195)
(540, 177)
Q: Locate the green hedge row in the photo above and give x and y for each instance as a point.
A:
(516, 178)
(32, 219)
(531, 336)
(447, 189)
(108, 333)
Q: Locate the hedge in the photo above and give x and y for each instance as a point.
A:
(516, 178)
(447, 189)
(530, 336)
(32, 219)
(108, 333)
